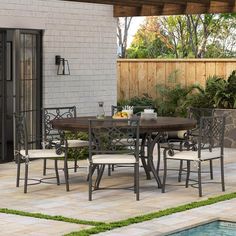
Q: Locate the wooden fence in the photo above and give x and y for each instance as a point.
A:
(136, 77)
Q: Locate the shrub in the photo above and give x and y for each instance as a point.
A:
(145, 100)
(218, 93)
(80, 153)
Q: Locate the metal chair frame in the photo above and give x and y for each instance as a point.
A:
(51, 134)
(137, 112)
(184, 144)
(23, 144)
(211, 136)
(107, 137)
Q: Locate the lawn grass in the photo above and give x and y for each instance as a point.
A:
(50, 217)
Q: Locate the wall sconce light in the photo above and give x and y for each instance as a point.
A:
(63, 65)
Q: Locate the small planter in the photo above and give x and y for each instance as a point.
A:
(230, 128)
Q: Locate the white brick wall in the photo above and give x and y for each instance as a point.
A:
(85, 35)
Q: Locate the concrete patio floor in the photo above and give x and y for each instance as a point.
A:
(107, 205)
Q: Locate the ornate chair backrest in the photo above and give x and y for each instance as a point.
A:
(21, 133)
(196, 113)
(52, 113)
(136, 109)
(113, 136)
(211, 133)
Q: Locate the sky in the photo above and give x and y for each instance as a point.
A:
(135, 23)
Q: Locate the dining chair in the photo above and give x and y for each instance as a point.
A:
(180, 140)
(137, 112)
(24, 154)
(51, 134)
(111, 142)
(209, 145)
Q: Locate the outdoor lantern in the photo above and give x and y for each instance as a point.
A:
(63, 65)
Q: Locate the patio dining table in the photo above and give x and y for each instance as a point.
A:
(152, 132)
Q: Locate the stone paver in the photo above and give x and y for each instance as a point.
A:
(176, 222)
(107, 205)
(20, 225)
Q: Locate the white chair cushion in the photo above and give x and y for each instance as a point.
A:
(113, 159)
(41, 153)
(193, 155)
(75, 143)
(177, 134)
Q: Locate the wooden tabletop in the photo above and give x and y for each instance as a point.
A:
(159, 125)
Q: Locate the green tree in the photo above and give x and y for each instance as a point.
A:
(189, 36)
(149, 42)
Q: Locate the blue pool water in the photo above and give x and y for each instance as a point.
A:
(216, 228)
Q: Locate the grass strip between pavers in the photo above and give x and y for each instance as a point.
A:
(100, 227)
(117, 224)
(50, 217)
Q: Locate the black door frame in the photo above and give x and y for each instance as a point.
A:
(17, 83)
(3, 96)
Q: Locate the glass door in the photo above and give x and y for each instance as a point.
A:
(20, 86)
(2, 96)
(30, 83)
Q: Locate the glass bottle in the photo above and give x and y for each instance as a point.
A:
(101, 112)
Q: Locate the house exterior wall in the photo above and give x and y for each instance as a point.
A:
(82, 33)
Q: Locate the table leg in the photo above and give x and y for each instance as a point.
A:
(151, 144)
(143, 157)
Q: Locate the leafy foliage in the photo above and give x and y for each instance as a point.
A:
(188, 36)
(218, 93)
(80, 153)
(174, 100)
(145, 100)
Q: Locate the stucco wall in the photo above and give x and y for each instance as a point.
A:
(85, 35)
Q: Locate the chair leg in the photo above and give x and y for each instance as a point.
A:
(222, 173)
(158, 158)
(26, 175)
(180, 171)
(136, 182)
(90, 181)
(66, 173)
(113, 167)
(199, 179)
(164, 175)
(211, 169)
(99, 177)
(109, 170)
(44, 166)
(18, 172)
(94, 167)
(56, 171)
(188, 173)
(75, 164)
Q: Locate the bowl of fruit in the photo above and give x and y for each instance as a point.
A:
(121, 115)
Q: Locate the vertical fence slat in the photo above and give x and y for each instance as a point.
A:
(181, 73)
(152, 79)
(210, 69)
(124, 78)
(201, 73)
(133, 83)
(142, 78)
(190, 73)
(136, 77)
(118, 80)
(220, 69)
